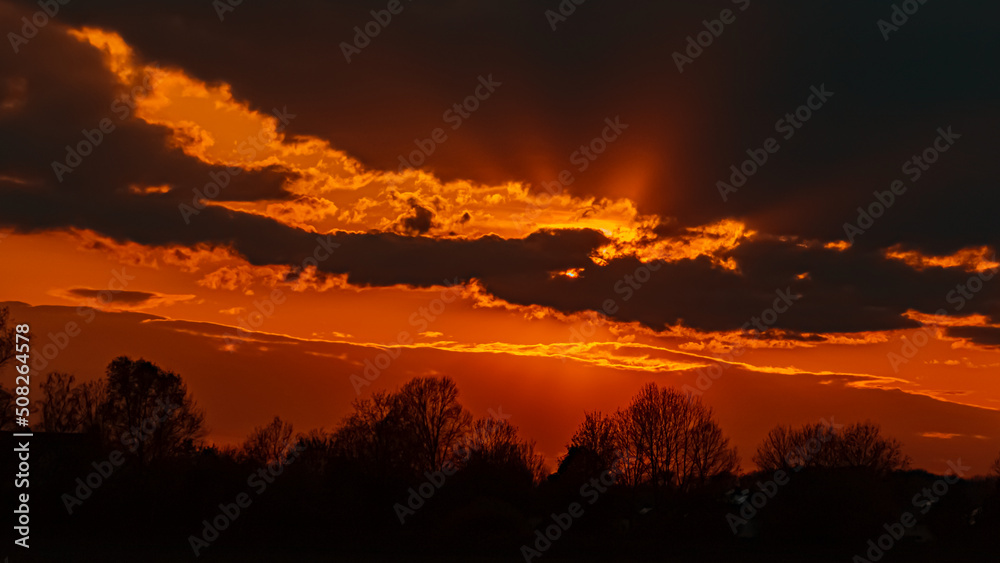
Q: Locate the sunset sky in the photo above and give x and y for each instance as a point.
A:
(548, 209)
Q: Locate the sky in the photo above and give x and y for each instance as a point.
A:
(785, 208)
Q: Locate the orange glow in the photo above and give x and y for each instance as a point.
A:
(713, 241)
(947, 320)
(572, 273)
(118, 55)
(145, 190)
(186, 301)
(975, 259)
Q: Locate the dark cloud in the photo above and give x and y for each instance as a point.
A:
(123, 297)
(608, 59)
(849, 291)
(983, 335)
(420, 222)
(68, 92)
(685, 129)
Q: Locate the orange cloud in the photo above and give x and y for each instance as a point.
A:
(973, 259)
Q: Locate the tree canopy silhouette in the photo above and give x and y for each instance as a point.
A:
(495, 443)
(422, 427)
(859, 445)
(433, 418)
(6, 337)
(663, 438)
(150, 411)
(269, 443)
(7, 349)
(60, 404)
(371, 439)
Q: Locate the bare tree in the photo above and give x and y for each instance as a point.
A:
(707, 452)
(678, 444)
(371, 436)
(91, 397)
(60, 404)
(597, 435)
(630, 465)
(496, 442)
(819, 445)
(268, 444)
(863, 445)
(663, 438)
(433, 418)
(785, 447)
(7, 414)
(317, 448)
(150, 411)
(995, 468)
(7, 338)
(7, 348)
(775, 452)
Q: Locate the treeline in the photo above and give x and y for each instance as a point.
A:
(123, 465)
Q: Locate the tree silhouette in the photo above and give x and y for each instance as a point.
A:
(60, 404)
(706, 453)
(7, 404)
(862, 445)
(663, 438)
(785, 447)
(433, 419)
(91, 397)
(859, 445)
(316, 449)
(150, 411)
(7, 348)
(995, 468)
(495, 442)
(371, 436)
(268, 444)
(7, 338)
(597, 435)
